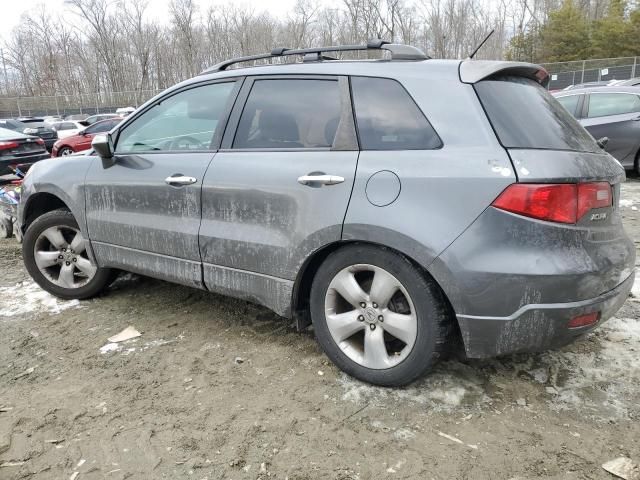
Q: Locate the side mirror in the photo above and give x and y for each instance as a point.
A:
(602, 142)
(103, 146)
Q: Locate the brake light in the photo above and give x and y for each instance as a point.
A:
(562, 202)
(39, 141)
(8, 145)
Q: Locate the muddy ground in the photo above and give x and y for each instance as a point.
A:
(221, 389)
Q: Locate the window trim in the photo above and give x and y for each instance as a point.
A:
(588, 104)
(214, 146)
(346, 127)
(355, 118)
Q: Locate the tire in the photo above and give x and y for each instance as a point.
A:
(79, 284)
(64, 151)
(415, 297)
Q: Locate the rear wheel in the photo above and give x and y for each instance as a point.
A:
(55, 254)
(376, 316)
(64, 151)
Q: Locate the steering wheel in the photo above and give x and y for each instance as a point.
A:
(185, 143)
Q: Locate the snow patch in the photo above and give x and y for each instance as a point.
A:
(629, 195)
(598, 376)
(451, 385)
(28, 297)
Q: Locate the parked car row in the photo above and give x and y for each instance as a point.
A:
(19, 148)
(28, 140)
(611, 113)
(632, 82)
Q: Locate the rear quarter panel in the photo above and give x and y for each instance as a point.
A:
(442, 191)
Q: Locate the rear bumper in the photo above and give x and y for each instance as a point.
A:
(4, 164)
(537, 327)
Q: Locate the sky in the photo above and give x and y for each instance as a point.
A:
(13, 9)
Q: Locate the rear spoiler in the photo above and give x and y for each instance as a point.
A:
(472, 71)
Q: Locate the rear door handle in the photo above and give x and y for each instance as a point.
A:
(179, 180)
(320, 179)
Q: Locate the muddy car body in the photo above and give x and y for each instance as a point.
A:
(398, 205)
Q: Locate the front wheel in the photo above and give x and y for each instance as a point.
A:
(377, 317)
(55, 254)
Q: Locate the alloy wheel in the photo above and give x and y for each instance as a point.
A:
(61, 256)
(370, 316)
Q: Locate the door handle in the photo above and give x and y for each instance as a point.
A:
(320, 179)
(179, 180)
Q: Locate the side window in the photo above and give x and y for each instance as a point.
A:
(101, 127)
(290, 113)
(185, 121)
(95, 128)
(388, 118)
(603, 104)
(570, 103)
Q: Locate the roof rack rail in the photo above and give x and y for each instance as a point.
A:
(398, 52)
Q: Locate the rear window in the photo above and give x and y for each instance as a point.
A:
(524, 115)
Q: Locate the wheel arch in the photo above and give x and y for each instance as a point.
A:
(302, 285)
(40, 203)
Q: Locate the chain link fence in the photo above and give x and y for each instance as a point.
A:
(62, 105)
(564, 74)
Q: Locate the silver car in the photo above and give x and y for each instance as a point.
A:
(402, 206)
(611, 112)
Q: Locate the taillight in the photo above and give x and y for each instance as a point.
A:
(562, 202)
(8, 145)
(593, 195)
(39, 141)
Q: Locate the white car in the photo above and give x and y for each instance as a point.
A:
(67, 128)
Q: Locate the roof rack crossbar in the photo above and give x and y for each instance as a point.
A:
(398, 52)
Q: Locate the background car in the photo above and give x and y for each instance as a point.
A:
(632, 82)
(125, 111)
(100, 116)
(11, 124)
(82, 140)
(77, 116)
(16, 147)
(586, 85)
(612, 112)
(67, 128)
(40, 128)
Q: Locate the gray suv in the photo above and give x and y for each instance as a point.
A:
(401, 205)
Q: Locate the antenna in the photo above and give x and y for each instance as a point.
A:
(473, 54)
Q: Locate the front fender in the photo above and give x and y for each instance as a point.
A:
(62, 178)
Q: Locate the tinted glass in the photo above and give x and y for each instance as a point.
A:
(603, 104)
(290, 114)
(103, 126)
(570, 102)
(185, 121)
(525, 115)
(388, 118)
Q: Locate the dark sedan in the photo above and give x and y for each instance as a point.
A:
(612, 112)
(18, 148)
(38, 127)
